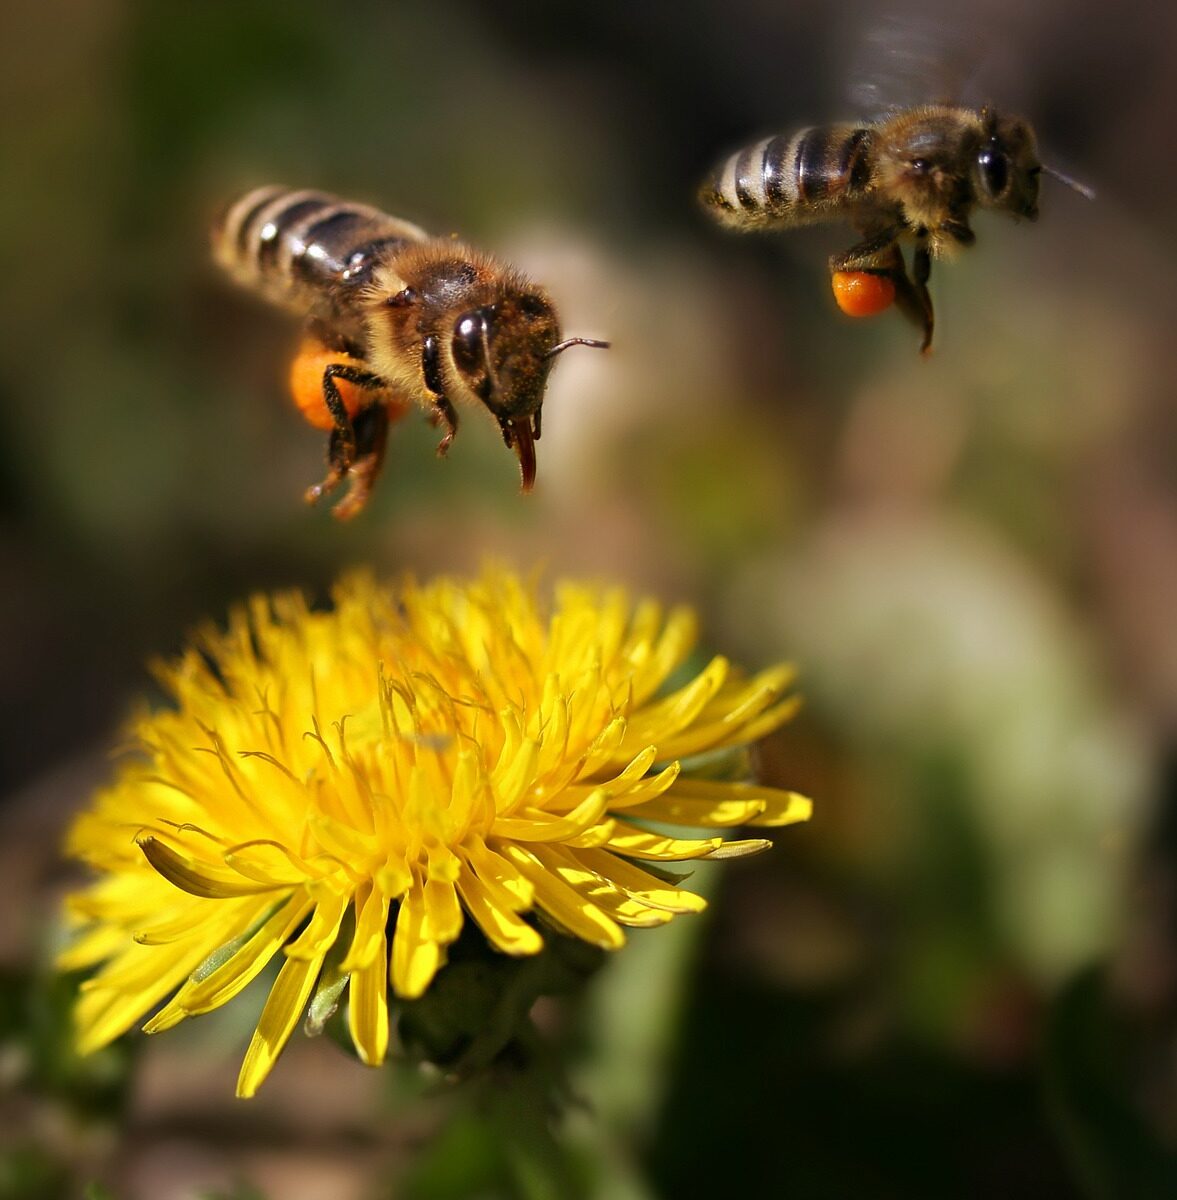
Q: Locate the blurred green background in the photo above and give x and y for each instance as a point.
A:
(960, 978)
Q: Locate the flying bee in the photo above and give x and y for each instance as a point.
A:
(913, 177)
(393, 317)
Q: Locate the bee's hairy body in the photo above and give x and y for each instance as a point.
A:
(817, 174)
(412, 317)
(302, 249)
(915, 175)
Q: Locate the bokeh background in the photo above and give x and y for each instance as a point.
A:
(960, 978)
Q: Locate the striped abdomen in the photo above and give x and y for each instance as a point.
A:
(292, 246)
(791, 179)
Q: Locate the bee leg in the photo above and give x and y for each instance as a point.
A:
(911, 294)
(871, 254)
(335, 406)
(341, 449)
(371, 429)
(913, 300)
(921, 270)
(337, 470)
(880, 255)
(443, 410)
(443, 414)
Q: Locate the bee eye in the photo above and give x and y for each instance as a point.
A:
(467, 346)
(994, 172)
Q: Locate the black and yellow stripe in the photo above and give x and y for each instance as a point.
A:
(791, 179)
(286, 243)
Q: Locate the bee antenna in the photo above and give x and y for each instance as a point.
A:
(1082, 188)
(576, 341)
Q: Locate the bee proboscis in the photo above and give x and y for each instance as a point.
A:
(914, 176)
(393, 317)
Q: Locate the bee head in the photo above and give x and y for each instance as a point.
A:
(1006, 166)
(474, 331)
(502, 353)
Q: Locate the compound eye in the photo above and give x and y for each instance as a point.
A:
(994, 172)
(468, 343)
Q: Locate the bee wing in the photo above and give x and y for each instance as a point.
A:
(900, 59)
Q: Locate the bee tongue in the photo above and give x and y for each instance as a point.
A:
(524, 446)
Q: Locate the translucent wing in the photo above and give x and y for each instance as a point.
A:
(902, 58)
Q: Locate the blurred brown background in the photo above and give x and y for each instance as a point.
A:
(960, 978)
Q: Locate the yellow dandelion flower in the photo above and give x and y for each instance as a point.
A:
(349, 787)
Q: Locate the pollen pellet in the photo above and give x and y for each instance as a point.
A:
(862, 293)
(306, 385)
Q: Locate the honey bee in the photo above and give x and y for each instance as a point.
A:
(393, 317)
(913, 177)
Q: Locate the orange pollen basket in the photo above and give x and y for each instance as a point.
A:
(306, 384)
(862, 293)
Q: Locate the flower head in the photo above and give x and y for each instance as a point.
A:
(350, 787)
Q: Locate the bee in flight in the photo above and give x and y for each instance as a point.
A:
(914, 177)
(393, 317)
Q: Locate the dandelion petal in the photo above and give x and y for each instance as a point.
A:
(348, 787)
